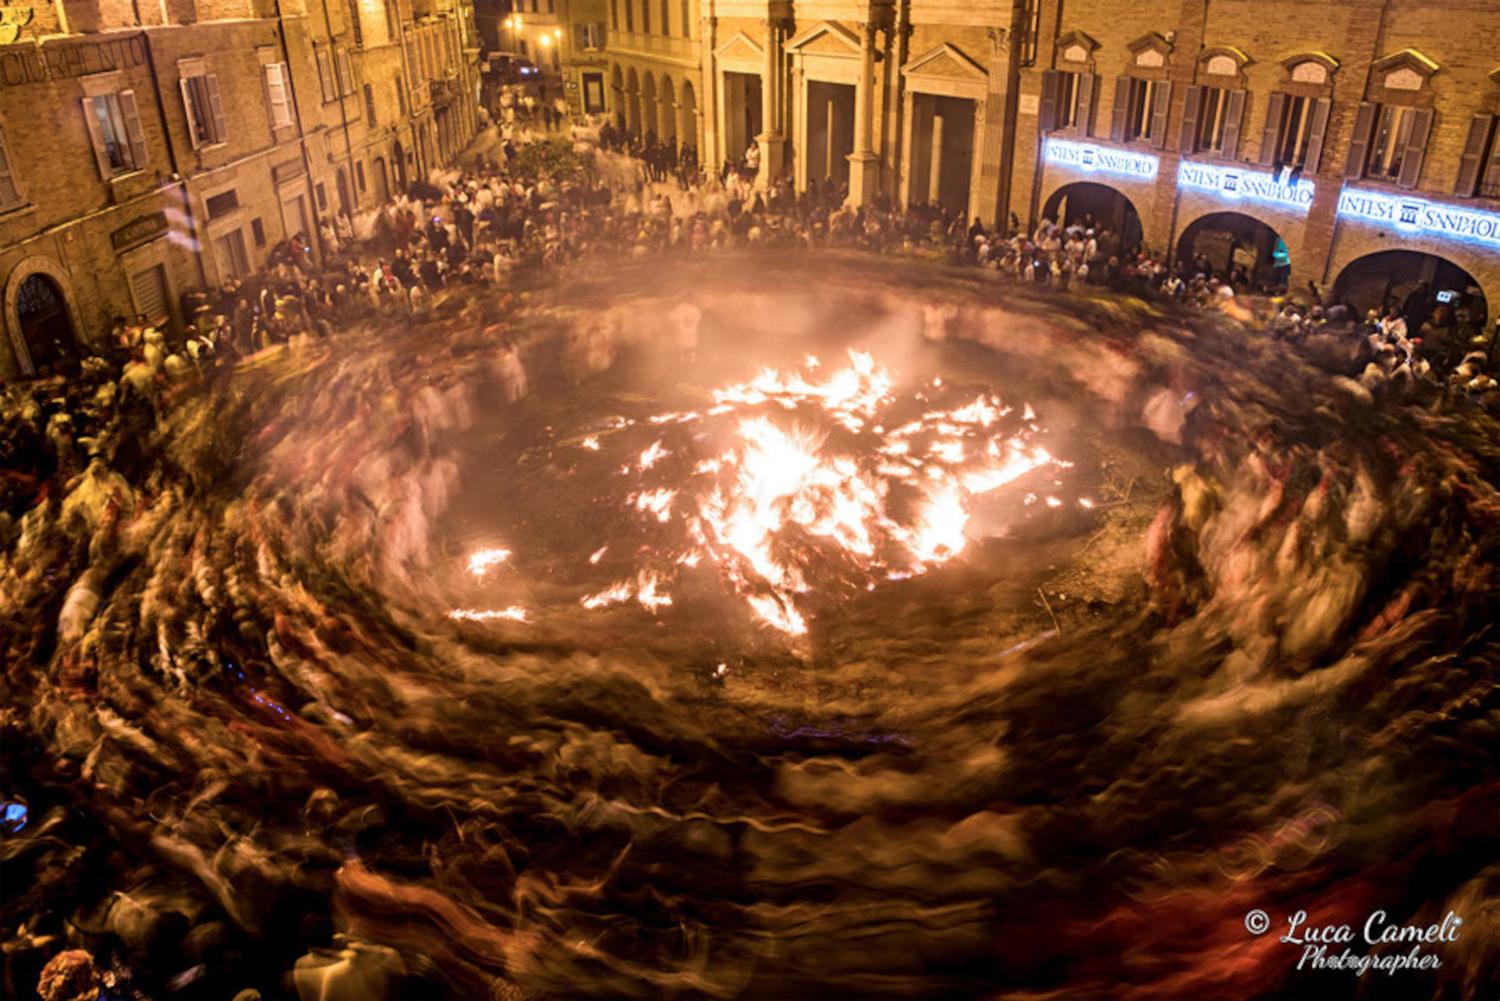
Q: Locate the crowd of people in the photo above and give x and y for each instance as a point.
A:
(473, 227)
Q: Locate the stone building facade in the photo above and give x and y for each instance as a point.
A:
(145, 153)
(1294, 138)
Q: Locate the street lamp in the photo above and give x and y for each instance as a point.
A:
(514, 25)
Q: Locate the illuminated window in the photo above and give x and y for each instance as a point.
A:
(1213, 112)
(1030, 29)
(115, 128)
(205, 110)
(1393, 138)
(1141, 105)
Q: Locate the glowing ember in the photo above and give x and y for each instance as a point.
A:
(812, 482)
(514, 614)
(482, 560)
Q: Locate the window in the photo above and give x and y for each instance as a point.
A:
(205, 112)
(1213, 112)
(10, 191)
(1479, 163)
(401, 95)
(666, 17)
(326, 80)
(614, 14)
(645, 17)
(354, 25)
(1140, 111)
(1030, 29)
(1293, 137)
(359, 175)
(320, 191)
(1067, 100)
(278, 95)
(234, 262)
(370, 106)
(258, 232)
(687, 19)
(222, 204)
(114, 126)
(392, 30)
(629, 15)
(1392, 138)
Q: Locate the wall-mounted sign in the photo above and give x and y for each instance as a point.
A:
(1418, 216)
(1251, 185)
(139, 230)
(1082, 156)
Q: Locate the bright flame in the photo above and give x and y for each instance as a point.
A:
(481, 560)
(514, 613)
(811, 472)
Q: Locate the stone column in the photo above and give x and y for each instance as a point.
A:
(864, 162)
(935, 174)
(772, 139)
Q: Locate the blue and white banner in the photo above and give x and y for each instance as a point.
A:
(1234, 184)
(1083, 156)
(1417, 216)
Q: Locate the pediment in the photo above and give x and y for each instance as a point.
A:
(946, 61)
(740, 46)
(1406, 59)
(1075, 47)
(827, 39)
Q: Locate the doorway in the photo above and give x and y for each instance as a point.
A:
(829, 137)
(942, 152)
(46, 327)
(742, 113)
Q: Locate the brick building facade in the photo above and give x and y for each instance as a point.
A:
(144, 153)
(1292, 137)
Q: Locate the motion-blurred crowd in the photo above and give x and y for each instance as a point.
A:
(82, 432)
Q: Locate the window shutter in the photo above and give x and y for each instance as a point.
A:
(1084, 121)
(101, 157)
(1234, 116)
(1159, 114)
(1317, 129)
(1473, 154)
(1359, 142)
(10, 191)
(133, 130)
(194, 126)
(1416, 149)
(1187, 140)
(1489, 185)
(215, 106)
(1121, 111)
(1049, 100)
(276, 95)
(1275, 112)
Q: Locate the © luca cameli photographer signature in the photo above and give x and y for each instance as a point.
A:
(1343, 947)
